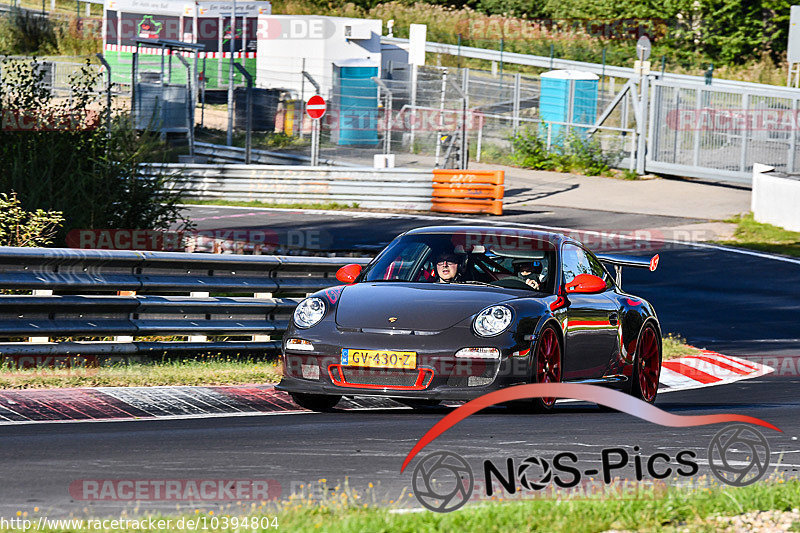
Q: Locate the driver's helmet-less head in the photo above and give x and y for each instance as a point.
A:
(450, 257)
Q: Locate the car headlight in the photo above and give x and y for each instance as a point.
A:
(309, 312)
(492, 321)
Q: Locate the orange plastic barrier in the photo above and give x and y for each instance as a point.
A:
(468, 191)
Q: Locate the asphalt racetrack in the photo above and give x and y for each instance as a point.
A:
(734, 303)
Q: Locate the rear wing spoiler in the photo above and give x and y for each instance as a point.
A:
(620, 261)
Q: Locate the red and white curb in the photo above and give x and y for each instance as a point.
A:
(113, 404)
(707, 369)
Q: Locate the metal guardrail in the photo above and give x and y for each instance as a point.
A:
(109, 293)
(372, 188)
(555, 63)
(233, 154)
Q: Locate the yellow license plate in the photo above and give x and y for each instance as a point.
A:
(379, 358)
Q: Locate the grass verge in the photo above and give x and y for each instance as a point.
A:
(674, 346)
(169, 372)
(333, 206)
(344, 511)
(763, 237)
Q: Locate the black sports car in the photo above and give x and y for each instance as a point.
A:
(455, 312)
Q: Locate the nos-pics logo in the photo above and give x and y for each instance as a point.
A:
(443, 481)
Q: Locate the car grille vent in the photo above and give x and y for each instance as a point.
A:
(360, 376)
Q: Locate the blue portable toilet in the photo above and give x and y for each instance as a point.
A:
(567, 96)
(356, 97)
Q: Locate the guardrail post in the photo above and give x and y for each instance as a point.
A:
(40, 292)
(124, 338)
(264, 296)
(198, 338)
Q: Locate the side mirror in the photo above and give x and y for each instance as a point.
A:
(586, 284)
(348, 273)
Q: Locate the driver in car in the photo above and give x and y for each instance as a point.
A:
(447, 265)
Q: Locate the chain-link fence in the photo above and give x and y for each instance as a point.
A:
(682, 126)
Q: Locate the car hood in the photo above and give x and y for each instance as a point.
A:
(415, 306)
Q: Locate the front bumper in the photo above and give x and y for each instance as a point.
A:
(439, 374)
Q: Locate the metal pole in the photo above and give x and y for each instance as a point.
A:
(413, 105)
(249, 110)
(480, 139)
(441, 120)
(642, 128)
(793, 139)
(459, 50)
(203, 93)
(515, 104)
(230, 76)
(161, 101)
(248, 146)
(603, 78)
(464, 155)
(134, 69)
(108, 92)
(465, 107)
(302, 96)
(502, 46)
(389, 123)
(743, 154)
(314, 142)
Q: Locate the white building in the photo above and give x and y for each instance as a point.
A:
(289, 44)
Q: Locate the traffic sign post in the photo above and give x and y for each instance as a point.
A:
(315, 108)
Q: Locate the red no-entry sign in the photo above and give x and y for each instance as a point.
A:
(315, 107)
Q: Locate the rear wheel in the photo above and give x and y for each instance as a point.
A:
(315, 402)
(646, 366)
(547, 361)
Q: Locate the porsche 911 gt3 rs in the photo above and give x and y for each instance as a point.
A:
(455, 312)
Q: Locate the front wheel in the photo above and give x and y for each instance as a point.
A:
(646, 366)
(547, 362)
(315, 402)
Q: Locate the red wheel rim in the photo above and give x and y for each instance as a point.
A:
(649, 365)
(548, 362)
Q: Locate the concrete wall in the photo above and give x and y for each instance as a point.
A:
(776, 197)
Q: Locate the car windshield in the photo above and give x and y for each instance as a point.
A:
(498, 259)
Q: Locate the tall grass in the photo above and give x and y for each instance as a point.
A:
(23, 33)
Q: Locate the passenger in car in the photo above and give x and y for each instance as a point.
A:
(529, 272)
